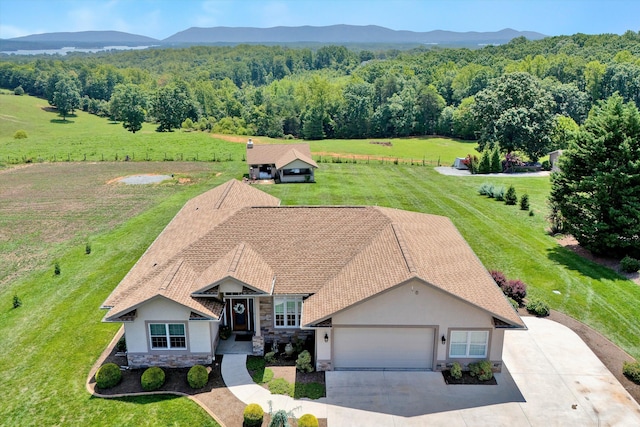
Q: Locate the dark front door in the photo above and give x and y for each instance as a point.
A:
(240, 314)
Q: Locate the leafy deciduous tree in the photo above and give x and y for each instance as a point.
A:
(129, 104)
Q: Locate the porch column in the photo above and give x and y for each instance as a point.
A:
(256, 315)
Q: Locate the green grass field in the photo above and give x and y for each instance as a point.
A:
(49, 211)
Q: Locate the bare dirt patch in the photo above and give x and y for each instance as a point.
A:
(233, 138)
(42, 205)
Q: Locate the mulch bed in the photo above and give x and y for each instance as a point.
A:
(466, 379)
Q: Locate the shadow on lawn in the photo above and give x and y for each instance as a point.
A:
(570, 257)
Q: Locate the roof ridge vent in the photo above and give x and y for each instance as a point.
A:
(404, 249)
(224, 195)
(236, 257)
(170, 275)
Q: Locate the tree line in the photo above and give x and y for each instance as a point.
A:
(527, 96)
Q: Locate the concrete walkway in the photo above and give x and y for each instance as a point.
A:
(451, 171)
(551, 378)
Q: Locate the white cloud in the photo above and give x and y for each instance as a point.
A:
(9, 32)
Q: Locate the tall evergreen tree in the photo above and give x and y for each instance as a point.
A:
(598, 187)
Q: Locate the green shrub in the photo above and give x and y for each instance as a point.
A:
(632, 371)
(198, 376)
(108, 375)
(486, 189)
(524, 202)
(546, 166)
(308, 420)
(309, 390)
(20, 134)
(279, 418)
(538, 307)
(18, 91)
(87, 248)
(496, 162)
(481, 369)
(498, 193)
(531, 213)
(262, 376)
(152, 378)
(270, 357)
(629, 265)
(303, 363)
(514, 303)
(16, 301)
(510, 197)
(253, 415)
(56, 269)
(485, 162)
(281, 386)
(121, 345)
(456, 371)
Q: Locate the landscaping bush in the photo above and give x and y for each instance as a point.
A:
(538, 307)
(496, 162)
(253, 415)
(281, 386)
(632, 371)
(20, 134)
(481, 370)
(279, 418)
(198, 376)
(486, 189)
(514, 304)
(498, 193)
(19, 91)
(108, 375)
(531, 213)
(629, 265)
(308, 420)
(485, 163)
(87, 248)
(152, 378)
(16, 301)
(121, 345)
(499, 278)
(456, 371)
(546, 166)
(270, 357)
(524, 202)
(303, 363)
(515, 289)
(56, 269)
(510, 197)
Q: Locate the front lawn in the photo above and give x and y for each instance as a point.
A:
(306, 385)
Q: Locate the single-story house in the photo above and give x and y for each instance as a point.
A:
(283, 162)
(370, 287)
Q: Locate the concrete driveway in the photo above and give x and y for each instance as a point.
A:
(551, 378)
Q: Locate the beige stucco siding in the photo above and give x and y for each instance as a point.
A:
(297, 164)
(199, 332)
(418, 304)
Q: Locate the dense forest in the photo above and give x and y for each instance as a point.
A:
(524, 95)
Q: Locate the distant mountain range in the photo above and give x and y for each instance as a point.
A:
(333, 34)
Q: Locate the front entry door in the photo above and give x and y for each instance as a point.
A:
(239, 312)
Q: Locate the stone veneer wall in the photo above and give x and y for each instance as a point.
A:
(270, 333)
(143, 360)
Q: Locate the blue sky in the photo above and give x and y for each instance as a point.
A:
(163, 18)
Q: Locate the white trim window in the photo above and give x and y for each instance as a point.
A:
(167, 335)
(286, 311)
(472, 344)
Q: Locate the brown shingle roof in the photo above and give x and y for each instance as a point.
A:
(341, 255)
(279, 155)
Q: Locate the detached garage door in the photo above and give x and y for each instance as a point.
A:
(383, 348)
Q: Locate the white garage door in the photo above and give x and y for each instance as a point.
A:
(383, 348)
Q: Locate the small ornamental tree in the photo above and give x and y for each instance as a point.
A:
(18, 91)
(485, 162)
(496, 161)
(510, 197)
(524, 202)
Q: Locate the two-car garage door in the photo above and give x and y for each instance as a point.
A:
(383, 347)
